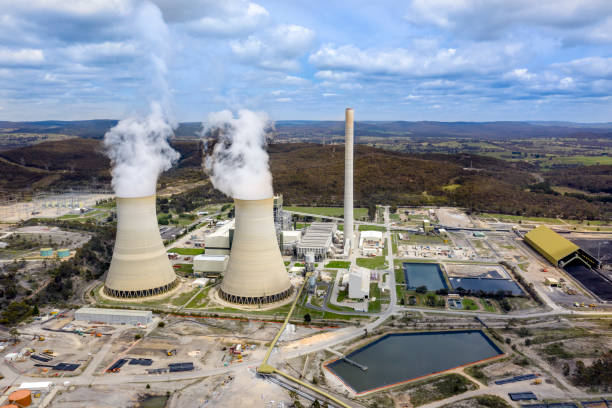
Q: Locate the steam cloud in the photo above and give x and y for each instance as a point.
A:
(139, 152)
(238, 164)
(138, 146)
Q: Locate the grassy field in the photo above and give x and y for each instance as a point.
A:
(372, 228)
(187, 251)
(374, 306)
(184, 269)
(358, 213)
(338, 264)
(487, 305)
(469, 304)
(376, 262)
(417, 239)
(200, 300)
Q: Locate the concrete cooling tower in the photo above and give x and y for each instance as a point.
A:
(255, 273)
(140, 265)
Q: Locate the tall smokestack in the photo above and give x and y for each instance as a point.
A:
(255, 273)
(140, 265)
(349, 236)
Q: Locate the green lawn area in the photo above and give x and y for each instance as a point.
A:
(181, 299)
(300, 225)
(358, 213)
(372, 228)
(418, 239)
(187, 251)
(374, 306)
(200, 300)
(376, 262)
(338, 264)
(517, 218)
(342, 294)
(487, 305)
(399, 276)
(469, 304)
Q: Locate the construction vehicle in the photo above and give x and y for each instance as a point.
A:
(41, 338)
(537, 381)
(592, 305)
(171, 353)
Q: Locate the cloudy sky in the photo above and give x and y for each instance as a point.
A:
(449, 60)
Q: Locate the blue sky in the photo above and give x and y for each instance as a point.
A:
(447, 60)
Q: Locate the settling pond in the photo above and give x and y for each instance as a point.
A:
(424, 274)
(402, 357)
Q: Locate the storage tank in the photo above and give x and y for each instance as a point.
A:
(21, 398)
(256, 272)
(140, 266)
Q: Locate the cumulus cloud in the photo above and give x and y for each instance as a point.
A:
(277, 48)
(488, 20)
(218, 18)
(21, 56)
(591, 67)
(408, 62)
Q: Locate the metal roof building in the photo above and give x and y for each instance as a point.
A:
(550, 245)
(317, 239)
(113, 316)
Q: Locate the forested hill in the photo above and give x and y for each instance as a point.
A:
(314, 174)
(307, 130)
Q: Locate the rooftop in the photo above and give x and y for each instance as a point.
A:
(124, 312)
(550, 244)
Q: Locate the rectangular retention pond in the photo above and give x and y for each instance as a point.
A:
(424, 274)
(402, 357)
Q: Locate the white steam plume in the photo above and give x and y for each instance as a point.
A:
(139, 152)
(238, 164)
(138, 146)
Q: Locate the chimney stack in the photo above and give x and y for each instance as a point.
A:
(349, 236)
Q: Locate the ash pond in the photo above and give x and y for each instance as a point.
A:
(402, 357)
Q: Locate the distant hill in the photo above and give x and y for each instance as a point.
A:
(313, 174)
(303, 128)
(320, 131)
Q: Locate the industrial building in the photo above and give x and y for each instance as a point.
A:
(290, 240)
(207, 265)
(140, 265)
(558, 250)
(255, 272)
(282, 219)
(359, 283)
(317, 240)
(219, 242)
(113, 316)
(371, 242)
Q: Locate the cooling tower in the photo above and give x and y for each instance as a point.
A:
(349, 235)
(255, 273)
(140, 265)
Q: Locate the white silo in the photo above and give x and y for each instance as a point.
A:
(256, 272)
(140, 266)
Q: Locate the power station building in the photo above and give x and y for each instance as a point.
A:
(317, 240)
(140, 266)
(209, 265)
(255, 272)
(219, 242)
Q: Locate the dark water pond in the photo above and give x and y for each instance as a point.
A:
(424, 274)
(395, 358)
(486, 285)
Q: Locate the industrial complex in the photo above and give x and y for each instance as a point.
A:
(410, 306)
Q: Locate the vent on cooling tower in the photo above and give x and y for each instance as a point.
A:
(255, 273)
(140, 266)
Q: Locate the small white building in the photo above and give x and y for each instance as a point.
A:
(359, 284)
(291, 237)
(113, 316)
(371, 239)
(36, 386)
(209, 264)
